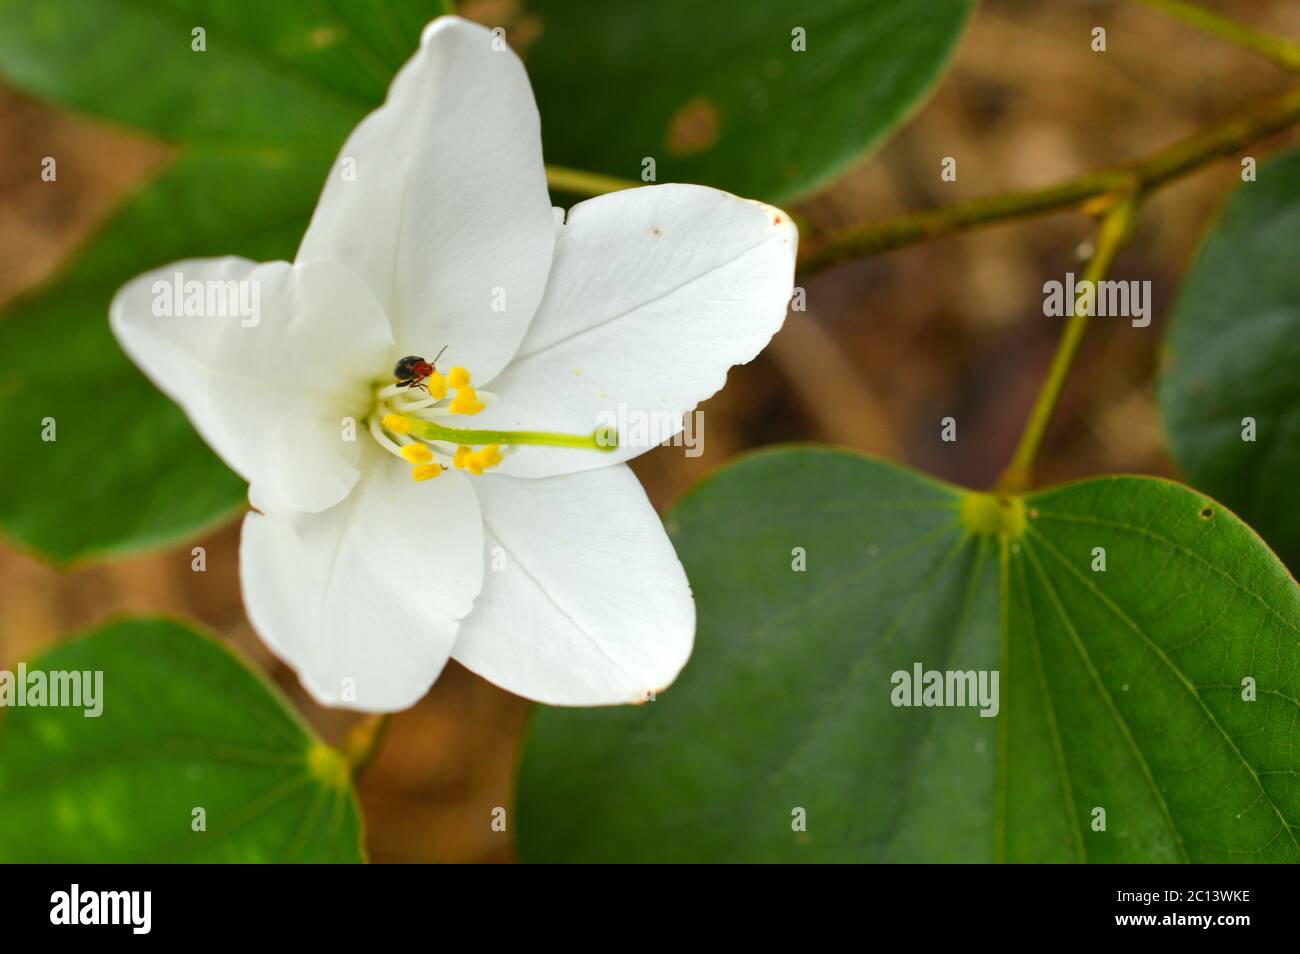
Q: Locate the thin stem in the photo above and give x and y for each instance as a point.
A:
(581, 182)
(1115, 230)
(363, 741)
(1141, 176)
(1280, 50)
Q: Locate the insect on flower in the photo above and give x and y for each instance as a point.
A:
(412, 371)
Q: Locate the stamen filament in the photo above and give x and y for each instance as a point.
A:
(386, 442)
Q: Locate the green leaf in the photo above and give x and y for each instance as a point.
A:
(289, 73)
(1233, 352)
(715, 94)
(1120, 689)
(257, 118)
(184, 725)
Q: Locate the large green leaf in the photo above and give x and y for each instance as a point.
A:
(714, 92)
(1120, 689)
(257, 119)
(297, 74)
(1234, 353)
(184, 725)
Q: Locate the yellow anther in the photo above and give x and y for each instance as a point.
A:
(417, 454)
(477, 461)
(437, 384)
(466, 400)
(483, 458)
(396, 423)
(458, 377)
(489, 456)
(425, 471)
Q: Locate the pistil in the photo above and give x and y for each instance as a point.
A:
(410, 425)
(601, 439)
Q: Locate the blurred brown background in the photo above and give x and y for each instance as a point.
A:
(888, 347)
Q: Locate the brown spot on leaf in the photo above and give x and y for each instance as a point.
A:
(694, 128)
(323, 36)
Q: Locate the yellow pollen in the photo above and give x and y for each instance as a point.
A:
(483, 458)
(417, 454)
(477, 461)
(458, 378)
(489, 456)
(396, 423)
(437, 384)
(425, 471)
(466, 400)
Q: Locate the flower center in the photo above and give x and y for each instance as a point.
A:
(415, 419)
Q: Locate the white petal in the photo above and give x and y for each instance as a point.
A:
(586, 602)
(439, 200)
(368, 595)
(654, 294)
(268, 388)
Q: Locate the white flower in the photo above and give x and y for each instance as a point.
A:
(435, 231)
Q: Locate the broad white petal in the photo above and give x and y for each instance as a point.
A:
(266, 379)
(654, 294)
(439, 200)
(585, 602)
(364, 600)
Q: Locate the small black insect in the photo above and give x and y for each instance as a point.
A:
(412, 371)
